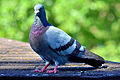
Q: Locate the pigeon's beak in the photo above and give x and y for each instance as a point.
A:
(36, 11)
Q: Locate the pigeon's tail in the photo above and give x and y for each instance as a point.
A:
(89, 58)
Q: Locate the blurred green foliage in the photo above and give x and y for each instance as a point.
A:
(94, 23)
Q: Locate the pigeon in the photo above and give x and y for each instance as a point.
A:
(55, 46)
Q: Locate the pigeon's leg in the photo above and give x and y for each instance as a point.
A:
(53, 71)
(44, 68)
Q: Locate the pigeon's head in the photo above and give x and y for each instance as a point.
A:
(39, 10)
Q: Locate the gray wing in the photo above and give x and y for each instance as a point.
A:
(61, 42)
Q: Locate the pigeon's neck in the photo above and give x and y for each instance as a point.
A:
(43, 20)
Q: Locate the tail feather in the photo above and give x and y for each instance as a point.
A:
(89, 58)
(89, 54)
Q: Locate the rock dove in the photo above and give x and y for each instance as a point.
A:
(55, 46)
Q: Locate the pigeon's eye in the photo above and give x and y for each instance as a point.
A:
(41, 8)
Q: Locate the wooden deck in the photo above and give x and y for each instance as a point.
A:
(17, 60)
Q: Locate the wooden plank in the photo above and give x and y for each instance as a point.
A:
(16, 55)
(15, 51)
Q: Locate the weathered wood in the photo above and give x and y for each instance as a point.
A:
(18, 60)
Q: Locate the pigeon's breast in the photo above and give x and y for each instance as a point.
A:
(36, 38)
(35, 42)
(40, 46)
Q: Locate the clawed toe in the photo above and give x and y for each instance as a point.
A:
(51, 71)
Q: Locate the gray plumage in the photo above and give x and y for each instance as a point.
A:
(55, 46)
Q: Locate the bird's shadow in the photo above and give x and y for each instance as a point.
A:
(79, 68)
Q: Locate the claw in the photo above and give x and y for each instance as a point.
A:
(53, 71)
(43, 69)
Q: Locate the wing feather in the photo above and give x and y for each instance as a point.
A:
(59, 41)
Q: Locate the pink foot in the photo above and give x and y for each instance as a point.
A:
(43, 69)
(52, 71)
(39, 70)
